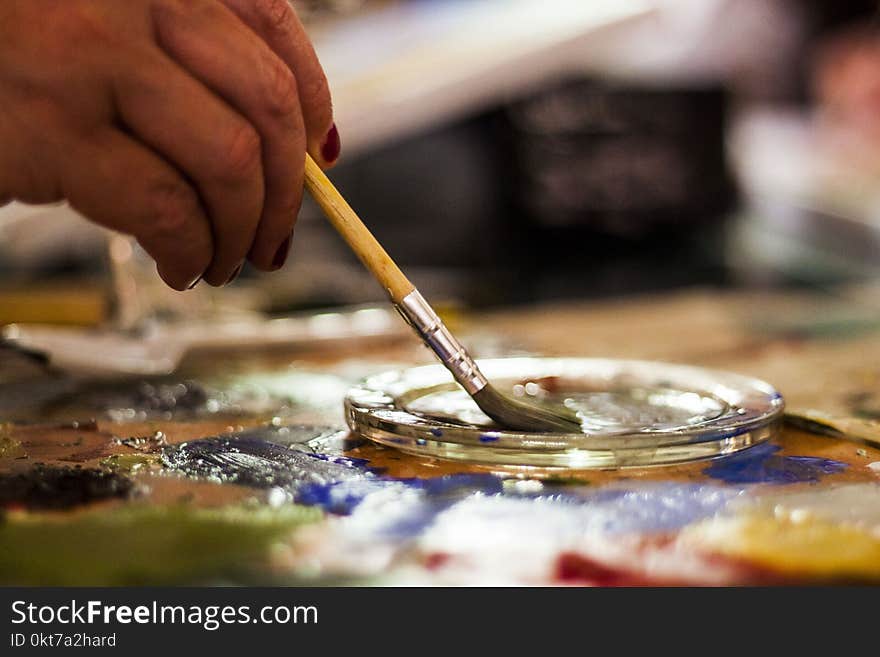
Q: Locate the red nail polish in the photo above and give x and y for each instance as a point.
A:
(332, 146)
(235, 273)
(281, 254)
(194, 283)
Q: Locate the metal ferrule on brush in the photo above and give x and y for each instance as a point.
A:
(419, 314)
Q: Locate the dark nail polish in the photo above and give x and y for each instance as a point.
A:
(281, 254)
(194, 283)
(235, 273)
(332, 146)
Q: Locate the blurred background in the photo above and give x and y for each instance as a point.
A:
(509, 152)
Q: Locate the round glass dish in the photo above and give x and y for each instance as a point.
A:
(634, 413)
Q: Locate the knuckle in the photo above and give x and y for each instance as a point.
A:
(242, 155)
(281, 94)
(277, 16)
(173, 206)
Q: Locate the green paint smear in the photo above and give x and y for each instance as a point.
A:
(138, 545)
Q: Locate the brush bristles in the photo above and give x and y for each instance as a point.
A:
(523, 416)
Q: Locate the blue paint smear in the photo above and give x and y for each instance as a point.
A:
(411, 506)
(466, 482)
(338, 497)
(403, 509)
(343, 497)
(640, 509)
(436, 432)
(659, 507)
(762, 465)
(341, 460)
(488, 438)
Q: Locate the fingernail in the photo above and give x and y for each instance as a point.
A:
(281, 254)
(194, 283)
(332, 146)
(235, 273)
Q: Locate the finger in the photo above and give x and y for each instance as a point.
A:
(7, 160)
(209, 142)
(276, 22)
(218, 49)
(27, 153)
(123, 185)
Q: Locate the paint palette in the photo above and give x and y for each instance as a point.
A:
(633, 413)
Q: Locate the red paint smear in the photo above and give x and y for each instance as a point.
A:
(577, 569)
(436, 560)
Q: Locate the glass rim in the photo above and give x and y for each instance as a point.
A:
(377, 410)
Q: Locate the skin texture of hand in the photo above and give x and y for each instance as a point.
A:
(184, 123)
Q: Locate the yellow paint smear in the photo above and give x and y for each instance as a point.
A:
(810, 548)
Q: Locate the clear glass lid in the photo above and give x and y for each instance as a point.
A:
(633, 413)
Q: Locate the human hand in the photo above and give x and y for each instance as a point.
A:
(184, 123)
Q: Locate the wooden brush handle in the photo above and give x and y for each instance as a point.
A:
(412, 305)
(358, 236)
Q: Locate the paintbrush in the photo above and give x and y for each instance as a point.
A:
(506, 410)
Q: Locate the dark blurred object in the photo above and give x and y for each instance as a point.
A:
(583, 190)
(831, 14)
(619, 189)
(629, 163)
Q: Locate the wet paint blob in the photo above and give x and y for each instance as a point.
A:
(251, 461)
(763, 465)
(58, 488)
